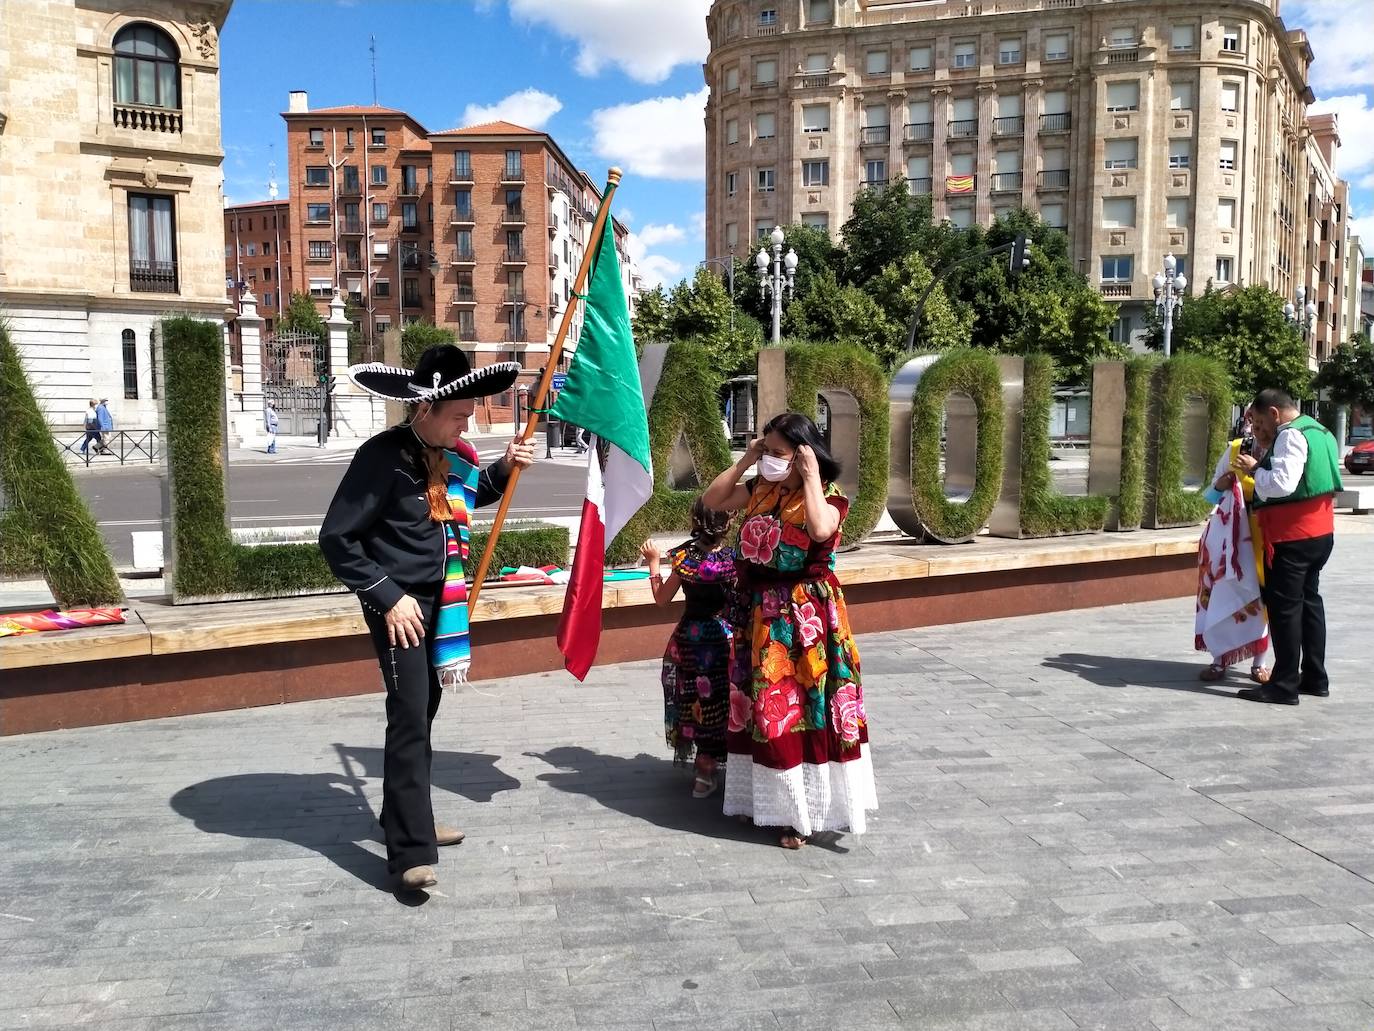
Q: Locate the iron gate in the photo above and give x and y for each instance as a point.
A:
(295, 378)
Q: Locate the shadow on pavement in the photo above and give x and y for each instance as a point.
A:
(1170, 674)
(653, 790)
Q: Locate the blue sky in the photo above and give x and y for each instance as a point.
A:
(614, 81)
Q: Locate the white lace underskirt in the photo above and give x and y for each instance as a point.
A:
(811, 798)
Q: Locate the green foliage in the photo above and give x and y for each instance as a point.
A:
(812, 368)
(1245, 330)
(845, 314)
(1348, 375)
(1175, 381)
(652, 322)
(522, 543)
(301, 315)
(419, 337)
(45, 526)
(817, 255)
(700, 310)
(684, 406)
(896, 289)
(975, 373)
(356, 316)
(886, 225)
(1134, 440)
(1044, 511)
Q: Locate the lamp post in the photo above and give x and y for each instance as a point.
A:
(1304, 318)
(1169, 288)
(728, 264)
(782, 277)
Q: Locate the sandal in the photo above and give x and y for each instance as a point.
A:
(1213, 673)
(706, 780)
(791, 840)
(1259, 675)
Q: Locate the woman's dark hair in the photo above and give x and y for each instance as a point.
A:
(797, 430)
(709, 528)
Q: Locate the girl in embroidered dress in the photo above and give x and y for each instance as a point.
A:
(797, 732)
(696, 666)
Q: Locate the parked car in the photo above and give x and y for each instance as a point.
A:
(1361, 458)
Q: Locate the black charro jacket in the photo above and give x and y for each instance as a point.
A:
(377, 536)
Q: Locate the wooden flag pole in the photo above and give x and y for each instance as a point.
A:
(532, 422)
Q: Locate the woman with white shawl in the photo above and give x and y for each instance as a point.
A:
(1231, 622)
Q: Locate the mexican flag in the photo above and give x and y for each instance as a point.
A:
(603, 396)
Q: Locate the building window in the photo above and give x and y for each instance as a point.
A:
(381, 288)
(410, 293)
(1123, 37)
(1120, 331)
(1226, 156)
(1224, 270)
(379, 212)
(766, 180)
(252, 250)
(1123, 96)
(921, 59)
(1180, 96)
(815, 173)
(1122, 153)
(1183, 37)
(731, 235)
(819, 11)
(145, 68)
(317, 175)
(817, 220)
(732, 131)
(816, 118)
(129, 347)
(768, 17)
(765, 73)
(321, 249)
(1226, 214)
(731, 80)
(731, 183)
(317, 213)
(1180, 153)
(410, 182)
(316, 137)
(1230, 39)
(1009, 51)
(1176, 213)
(321, 287)
(152, 244)
(765, 125)
(379, 137)
(965, 55)
(1053, 215)
(961, 217)
(462, 243)
(1230, 96)
(817, 64)
(1116, 268)
(875, 172)
(348, 138)
(379, 175)
(1118, 212)
(876, 62)
(1057, 46)
(410, 215)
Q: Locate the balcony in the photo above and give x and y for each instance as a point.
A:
(410, 189)
(918, 132)
(919, 187)
(462, 217)
(515, 335)
(410, 227)
(513, 174)
(462, 174)
(816, 80)
(465, 295)
(466, 334)
(152, 277)
(770, 29)
(1052, 179)
(870, 135)
(963, 128)
(351, 263)
(464, 256)
(1061, 122)
(1116, 289)
(411, 262)
(147, 119)
(412, 301)
(514, 297)
(872, 184)
(1010, 126)
(513, 215)
(351, 188)
(1006, 182)
(351, 226)
(515, 256)
(1123, 55)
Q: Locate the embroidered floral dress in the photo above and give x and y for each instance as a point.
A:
(696, 666)
(797, 733)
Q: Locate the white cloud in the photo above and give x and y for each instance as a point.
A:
(699, 225)
(1340, 49)
(1355, 125)
(661, 138)
(647, 39)
(655, 269)
(531, 108)
(653, 235)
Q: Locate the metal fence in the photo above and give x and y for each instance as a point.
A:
(122, 446)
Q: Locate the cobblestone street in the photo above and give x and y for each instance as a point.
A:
(1074, 833)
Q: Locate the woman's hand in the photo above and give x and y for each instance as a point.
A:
(753, 454)
(1224, 484)
(806, 464)
(651, 554)
(405, 624)
(519, 454)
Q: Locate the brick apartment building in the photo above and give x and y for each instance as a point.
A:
(479, 230)
(257, 259)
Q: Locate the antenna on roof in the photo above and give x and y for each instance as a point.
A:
(372, 46)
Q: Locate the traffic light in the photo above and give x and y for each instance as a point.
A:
(1020, 255)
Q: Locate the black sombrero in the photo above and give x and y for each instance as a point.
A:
(443, 373)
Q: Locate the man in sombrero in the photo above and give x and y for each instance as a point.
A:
(397, 535)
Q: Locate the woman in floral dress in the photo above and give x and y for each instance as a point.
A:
(797, 733)
(696, 666)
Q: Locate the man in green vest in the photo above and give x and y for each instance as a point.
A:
(1295, 486)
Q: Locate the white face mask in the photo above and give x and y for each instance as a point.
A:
(774, 469)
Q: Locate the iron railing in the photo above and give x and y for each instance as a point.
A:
(152, 277)
(122, 446)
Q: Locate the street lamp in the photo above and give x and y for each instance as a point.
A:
(1304, 318)
(728, 264)
(1169, 289)
(782, 278)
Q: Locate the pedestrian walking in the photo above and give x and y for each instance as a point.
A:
(696, 664)
(397, 534)
(92, 427)
(269, 423)
(103, 416)
(797, 733)
(1296, 481)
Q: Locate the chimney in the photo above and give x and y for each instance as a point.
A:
(298, 102)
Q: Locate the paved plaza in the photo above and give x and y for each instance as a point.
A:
(1074, 833)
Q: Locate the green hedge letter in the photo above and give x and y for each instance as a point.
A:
(1189, 420)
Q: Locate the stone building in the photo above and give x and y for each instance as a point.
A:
(1141, 129)
(112, 206)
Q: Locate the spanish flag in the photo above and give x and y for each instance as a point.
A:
(958, 184)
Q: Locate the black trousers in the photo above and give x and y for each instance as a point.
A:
(1297, 618)
(412, 699)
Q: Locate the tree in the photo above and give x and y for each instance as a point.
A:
(1348, 375)
(816, 253)
(896, 289)
(1244, 329)
(651, 321)
(836, 313)
(418, 337)
(885, 226)
(301, 315)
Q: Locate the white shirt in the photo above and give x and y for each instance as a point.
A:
(1285, 469)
